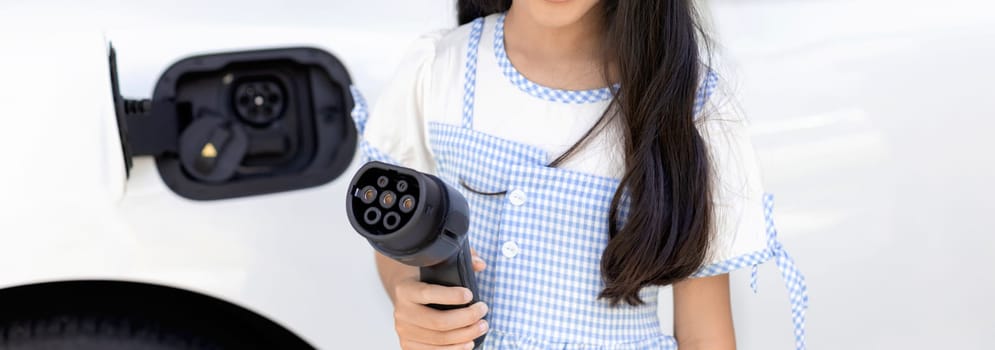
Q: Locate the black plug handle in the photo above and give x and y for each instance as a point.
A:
(457, 271)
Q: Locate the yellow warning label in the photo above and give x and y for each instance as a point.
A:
(209, 151)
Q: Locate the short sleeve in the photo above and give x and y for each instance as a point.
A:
(744, 230)
(739, 227)
(394, 129)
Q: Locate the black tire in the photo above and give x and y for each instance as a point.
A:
(100, 333)
(107, 315)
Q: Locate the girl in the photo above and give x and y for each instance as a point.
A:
(599, 165)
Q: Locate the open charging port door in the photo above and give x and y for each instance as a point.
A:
(243, 123)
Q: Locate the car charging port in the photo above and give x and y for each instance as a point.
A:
(259, 102)
(244, 123)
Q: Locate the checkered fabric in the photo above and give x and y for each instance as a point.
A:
(708, 86)
(543, 293)
(470, 71)
(544, 237)
(794, 281)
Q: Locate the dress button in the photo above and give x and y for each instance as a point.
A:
(517, 197)
(509, 249)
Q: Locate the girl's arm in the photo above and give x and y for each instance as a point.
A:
(703, 315)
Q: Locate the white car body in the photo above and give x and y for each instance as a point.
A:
(871, 119)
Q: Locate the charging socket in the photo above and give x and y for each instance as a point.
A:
(243, 123)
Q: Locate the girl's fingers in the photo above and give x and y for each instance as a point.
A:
(411, 345)
(424, 293)
(478, 263)
(457, 336)
(440, 320)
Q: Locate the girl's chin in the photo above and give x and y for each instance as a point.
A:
(558, 13)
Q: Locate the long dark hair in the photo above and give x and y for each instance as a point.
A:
(655, 47)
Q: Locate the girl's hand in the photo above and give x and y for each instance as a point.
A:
(420, 327)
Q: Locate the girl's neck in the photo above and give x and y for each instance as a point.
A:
(580, 41)
(567, 57)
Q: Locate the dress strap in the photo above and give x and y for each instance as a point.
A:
(794, 281)
(470, 76)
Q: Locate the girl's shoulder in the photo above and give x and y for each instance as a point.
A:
(438, 62)
(452, 40)
(445, 48)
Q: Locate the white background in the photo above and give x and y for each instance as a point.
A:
(873, 120)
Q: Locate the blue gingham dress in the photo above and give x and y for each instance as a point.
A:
(544, 235)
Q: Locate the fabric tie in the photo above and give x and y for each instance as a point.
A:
(794, 281)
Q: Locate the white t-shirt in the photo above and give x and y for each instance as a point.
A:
(428, 87)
